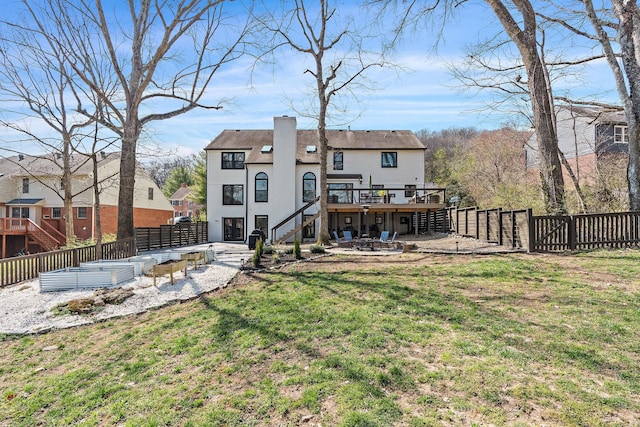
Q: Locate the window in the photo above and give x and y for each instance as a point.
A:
(150, 193)
(262, 187)
(341, 192)
(409, 190)
(56, 213)
(262, 223)
(82, 212)
(232, 194)
(233, 229)
(62, 184)
(389, 160)
(179, 202)
(620, 134)
(308, 187)
(19, 212)
(232, 160)
(309, 231)
(25, 185)
(338, 157)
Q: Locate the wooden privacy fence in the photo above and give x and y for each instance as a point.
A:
(18, 269)
(505, 228)
(171, 236)
(585, 231)
(520, 229)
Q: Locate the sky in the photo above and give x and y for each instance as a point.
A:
(420, 96)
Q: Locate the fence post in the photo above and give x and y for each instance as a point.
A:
(571, 231)
(500, 233)
(513, 229)
(531, 231)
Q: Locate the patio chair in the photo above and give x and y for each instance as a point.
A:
(384, 238)
(344, 241)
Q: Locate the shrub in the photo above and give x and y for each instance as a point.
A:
(276, 258)
(316, 249)
(287, 251)
(259, 248)
(269, 250)
(297, 252)
(255, 260)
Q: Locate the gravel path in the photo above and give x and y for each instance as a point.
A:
(24, 309)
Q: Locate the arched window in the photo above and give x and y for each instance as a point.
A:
(308, 187)
(262, 187)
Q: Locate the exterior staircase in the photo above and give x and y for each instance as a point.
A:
(41, 237)
(290, 233)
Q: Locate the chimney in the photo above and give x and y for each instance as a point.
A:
(20, 157)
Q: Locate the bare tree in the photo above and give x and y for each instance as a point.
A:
(340, 64)
(162, 57)
(627, 77)
(35, 75)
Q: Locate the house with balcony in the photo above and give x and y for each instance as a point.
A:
(585, 134)
(269, 180)
(32, 212)
(183, 204)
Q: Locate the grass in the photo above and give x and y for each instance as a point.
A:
(416, 340)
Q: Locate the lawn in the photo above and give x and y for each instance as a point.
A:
(411, 340)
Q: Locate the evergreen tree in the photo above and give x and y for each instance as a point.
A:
(179, 175)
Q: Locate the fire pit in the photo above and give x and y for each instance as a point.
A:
(169, 267)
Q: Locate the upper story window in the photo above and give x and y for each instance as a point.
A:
(25, 185)
(389, 159)
(338, 157)
(232, 194)
(262, 187)
(150, 195)
(620, 134)
(232, 160)
(308, 187)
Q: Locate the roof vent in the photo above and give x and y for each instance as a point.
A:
(266, 149)
(311, 148)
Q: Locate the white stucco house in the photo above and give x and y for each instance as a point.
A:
(269, 180)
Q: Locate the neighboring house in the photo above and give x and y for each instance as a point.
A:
(270, 180)
(183, 204)
(584, 135)
(32, 214)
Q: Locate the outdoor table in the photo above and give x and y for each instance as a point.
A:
(366, 243)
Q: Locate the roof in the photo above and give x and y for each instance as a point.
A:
(181, 193)
(338, 139)
(50, 164)
(24, 201)
(598, 114)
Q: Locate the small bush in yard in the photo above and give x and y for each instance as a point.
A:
(269, 250)
(316, 249)
(297, 252)
(276, 258)
(259, 248)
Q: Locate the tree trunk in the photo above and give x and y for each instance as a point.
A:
(127, 180)
(68, 194)
(541, 104)
(629, 38)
